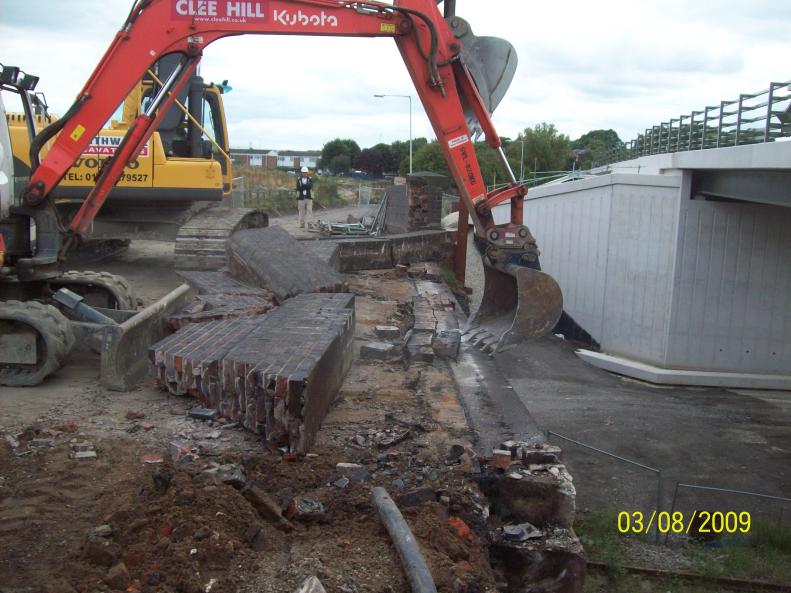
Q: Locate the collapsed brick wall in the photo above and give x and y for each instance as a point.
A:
(276, 374)
(532, 495)
(271, 258)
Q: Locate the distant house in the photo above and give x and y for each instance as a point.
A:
(276, 159)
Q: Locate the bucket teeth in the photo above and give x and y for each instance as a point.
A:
(482, 340)
(518, 303)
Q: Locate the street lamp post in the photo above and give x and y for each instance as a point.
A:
(410, 122)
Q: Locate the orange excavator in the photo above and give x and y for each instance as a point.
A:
(460, 79)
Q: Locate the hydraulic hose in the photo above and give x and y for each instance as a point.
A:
(44, 136)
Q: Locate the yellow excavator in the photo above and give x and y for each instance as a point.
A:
(177, 188)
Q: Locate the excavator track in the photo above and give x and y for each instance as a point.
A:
(200, 243)
(100, 289)
(37, 341)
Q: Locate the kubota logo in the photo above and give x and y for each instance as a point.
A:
(291, 19)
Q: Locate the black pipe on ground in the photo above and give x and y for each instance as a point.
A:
(411, 558)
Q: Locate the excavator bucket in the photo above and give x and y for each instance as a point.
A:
(517, 304)
(123, 346)
(491, 62)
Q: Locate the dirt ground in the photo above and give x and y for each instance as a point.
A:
(156, 510)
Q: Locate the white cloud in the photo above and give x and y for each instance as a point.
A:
(612, 64)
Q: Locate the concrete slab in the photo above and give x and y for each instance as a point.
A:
(654, 374)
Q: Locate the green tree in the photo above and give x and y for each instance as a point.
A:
(491, 167)
(401, 152)
(388, 165)
(429, 157)
(340, 163)
(545, 149)
(594, 146)
(339, 147)
(370, 160)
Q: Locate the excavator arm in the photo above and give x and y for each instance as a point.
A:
(433, 50)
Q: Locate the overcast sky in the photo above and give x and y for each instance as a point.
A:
(583, 65)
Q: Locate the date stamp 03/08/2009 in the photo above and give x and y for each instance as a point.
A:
(696, 523)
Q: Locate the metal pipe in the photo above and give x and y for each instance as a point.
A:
(705, 125)
(739, 119)
(165, 90)
(756, 494)
(507, 165)
(197, 124)
(410, 134)
(714, 489)
(74, 302)
(769, 104)
(740, 584)
(414, 564)
(382, 96)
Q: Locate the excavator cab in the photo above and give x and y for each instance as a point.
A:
(197, 132)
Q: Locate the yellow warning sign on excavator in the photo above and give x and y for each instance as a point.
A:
(387, 28)
(77, 133)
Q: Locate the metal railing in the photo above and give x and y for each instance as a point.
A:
(543, 177)
(753, 118)
(679, 485)
(657, 472)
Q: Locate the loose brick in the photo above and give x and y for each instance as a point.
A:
(501, 459)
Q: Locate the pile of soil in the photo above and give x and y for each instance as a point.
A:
(123, 525)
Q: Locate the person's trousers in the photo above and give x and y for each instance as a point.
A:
(305, 207)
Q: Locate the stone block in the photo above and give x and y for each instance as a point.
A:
(311, 585)
(541, 499)
(388, 332)
(501, 459)
(546, 454)
(417, 497)
(556, 561)
(378, 351)
(353, 471)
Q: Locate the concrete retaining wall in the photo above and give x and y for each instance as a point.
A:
(656, 276)
(383, 253)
